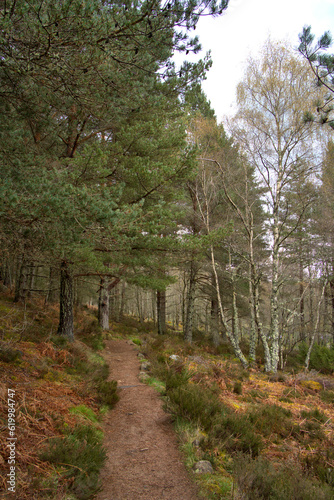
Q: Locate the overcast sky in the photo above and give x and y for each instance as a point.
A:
(243, 29)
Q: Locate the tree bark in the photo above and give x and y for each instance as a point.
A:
(229, 333)
(7, 274)
(214, 322)
(66, 326)
(32, 275)
(53, 286)
(274, 326)
(161, 312)
(308, 356)
(301, 304)
(21, 283)
(103, 306)
(190, 303)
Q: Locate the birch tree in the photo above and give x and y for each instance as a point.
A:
(272, 99)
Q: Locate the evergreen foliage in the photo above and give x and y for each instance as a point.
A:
(92, 130)
(322, 65)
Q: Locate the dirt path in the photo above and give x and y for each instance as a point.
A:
(143, 460)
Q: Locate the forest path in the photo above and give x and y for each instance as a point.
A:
(143, 461)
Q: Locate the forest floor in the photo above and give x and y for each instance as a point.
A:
(265, 435)
(143, 460)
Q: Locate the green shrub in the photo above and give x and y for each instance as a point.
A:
(321, 359)
(311, 429)
(314, 431)
(107, 393)
(272, 419)
(292, 392)
(259, 480)
(254, 394)
(59, 340)
(91, 334)
(9, 355)
(277, 377)
(318, 462)
(79, 456)
(233, 432)
(175, 378)
(224, 348)
(224, 427)
(237, 388)
(101, 373)
(327, 396)
(195, 404)
(315, 414)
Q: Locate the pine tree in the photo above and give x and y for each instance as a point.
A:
(90, 98)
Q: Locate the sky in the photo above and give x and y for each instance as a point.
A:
(243, 29)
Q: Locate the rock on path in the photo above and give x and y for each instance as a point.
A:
(143, 462)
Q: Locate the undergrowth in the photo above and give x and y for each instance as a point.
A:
(78, 456)
(267, 437)
(61, 393)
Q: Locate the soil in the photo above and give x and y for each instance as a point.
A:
(143, 461)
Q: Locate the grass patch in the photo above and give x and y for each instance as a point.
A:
(85, 412)
(136, 340)
(157, 384)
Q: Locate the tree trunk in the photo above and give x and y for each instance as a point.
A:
(154, 298)
(21, 283)
(253, 329)
(274, 326)
(308, 356)
(66, 302)
(214, 322)
(122, 302)
(161, 312)
(229, 333)
(7, 274)
(331, 285)
(53, 287)
(103, 307)
(32, 276)
(301, 304)
(235, 315)
(190, 303)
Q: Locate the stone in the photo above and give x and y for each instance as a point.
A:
(143, 376)
(203, 467)
(146, 365)
(197, 359)
(175, 357)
